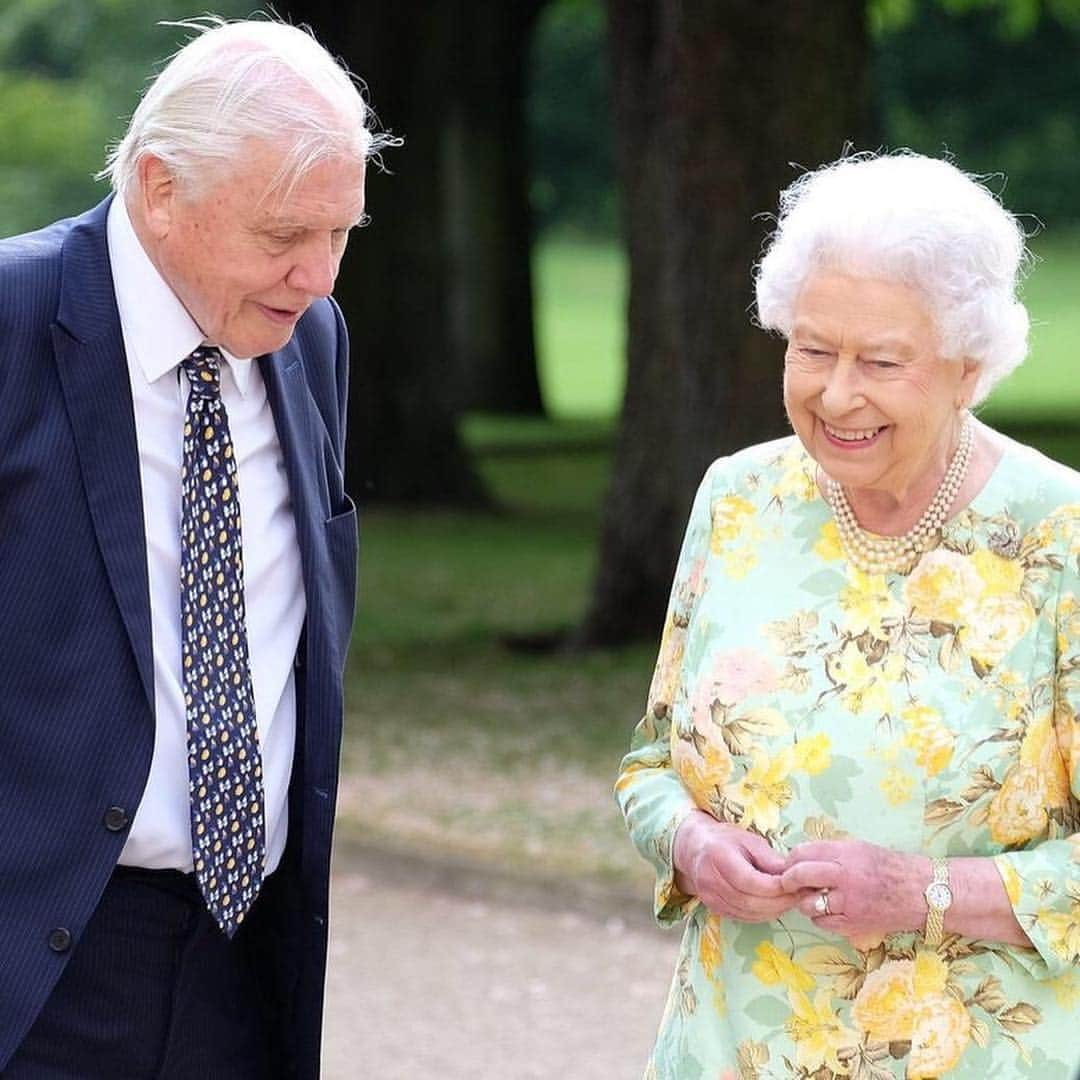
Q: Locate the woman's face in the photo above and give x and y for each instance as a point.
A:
(864, 387)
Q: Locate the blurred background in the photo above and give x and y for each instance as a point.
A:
(552, 337)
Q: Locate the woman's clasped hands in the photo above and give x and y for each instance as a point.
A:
(847, 887)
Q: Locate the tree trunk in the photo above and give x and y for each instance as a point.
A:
(395, 280)
(487, 212)
(712, 103)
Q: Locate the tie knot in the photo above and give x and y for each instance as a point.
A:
(203, 369)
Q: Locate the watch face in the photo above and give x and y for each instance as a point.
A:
(938, 895)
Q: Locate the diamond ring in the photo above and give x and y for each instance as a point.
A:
(821, 903)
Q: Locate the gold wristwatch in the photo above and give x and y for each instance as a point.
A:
(938, 899)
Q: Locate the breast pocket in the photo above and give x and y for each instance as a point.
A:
(342, 547)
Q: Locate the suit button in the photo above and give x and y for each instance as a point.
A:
(60, 940)
(116, 819)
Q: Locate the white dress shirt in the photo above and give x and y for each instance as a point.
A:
(158, 334)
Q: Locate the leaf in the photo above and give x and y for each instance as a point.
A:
(824, 828)
(744, 733)
(751, 1056)
(874, 958)
(982, 781)
(833, 964)
(1020, 1018)
(942, 629)
(943, 811)
(949, 657)
(768, 1012)
(989, 995)
(980, 1031)
(824, 583)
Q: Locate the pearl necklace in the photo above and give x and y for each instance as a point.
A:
(898, 554)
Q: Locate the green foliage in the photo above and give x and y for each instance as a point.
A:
(72, 74)
(964, 83)
(571, 143)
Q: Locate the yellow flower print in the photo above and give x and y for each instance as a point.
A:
(1063, 932)
(994, 626)
(897, 787)
(813, 754)
(1067, 990)
(796, 479)
(711, 947)
(942, 586)
(730, 517)
(866, 686)
(865, 601)
(1017, 811)
(669, 662)
(928, 736)
(1010, 879)
(773, 966)
(942, 1034)
(883, 1006)
(907, 1000)
(764, 789)
(1040, 749)
(828, 546)
(1000, 577)
(702, 773)
(739, 562)
(817, 1032)
(929, 974)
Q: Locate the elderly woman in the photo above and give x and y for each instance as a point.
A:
(857, 777)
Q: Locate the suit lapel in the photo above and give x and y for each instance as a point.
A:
(297, 429)
(97, 392)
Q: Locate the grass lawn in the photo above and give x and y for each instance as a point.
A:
(457, 744)
(581, 290)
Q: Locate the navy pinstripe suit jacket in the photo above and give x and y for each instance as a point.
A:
(76, 677)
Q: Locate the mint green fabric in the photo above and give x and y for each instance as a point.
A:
(931, 712)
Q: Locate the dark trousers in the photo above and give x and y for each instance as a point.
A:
(153, 989)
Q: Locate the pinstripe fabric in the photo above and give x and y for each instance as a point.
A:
(76, 723)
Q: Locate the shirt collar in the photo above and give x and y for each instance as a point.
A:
(158, 330)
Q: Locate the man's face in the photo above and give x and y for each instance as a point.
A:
(245, 264)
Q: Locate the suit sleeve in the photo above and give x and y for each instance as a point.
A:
(650, 794)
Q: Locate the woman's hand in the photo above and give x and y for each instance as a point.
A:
(872, 891)
(734, 873)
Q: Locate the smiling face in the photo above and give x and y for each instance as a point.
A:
(865, 389)
(247, 265)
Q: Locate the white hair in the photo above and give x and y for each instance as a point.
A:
(239, 81)
(915, 220)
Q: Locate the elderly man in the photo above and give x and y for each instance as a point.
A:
(178, 573)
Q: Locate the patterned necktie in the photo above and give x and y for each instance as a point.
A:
(224, 763)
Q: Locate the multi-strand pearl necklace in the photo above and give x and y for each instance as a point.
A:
(898, 554)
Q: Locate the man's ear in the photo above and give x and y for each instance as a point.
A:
(156, 195)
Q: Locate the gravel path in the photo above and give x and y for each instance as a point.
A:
(437, 972)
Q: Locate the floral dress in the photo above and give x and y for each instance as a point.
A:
(932, 712)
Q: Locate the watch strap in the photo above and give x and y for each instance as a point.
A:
(935, 917)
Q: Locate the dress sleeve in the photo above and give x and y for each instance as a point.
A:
(1043, 882)
(651, 796)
